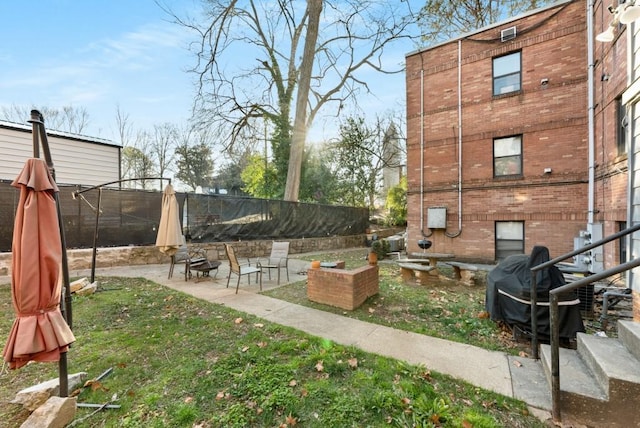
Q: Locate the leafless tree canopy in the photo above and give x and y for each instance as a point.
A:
(249, 55)
(66, 119)
(442, 20)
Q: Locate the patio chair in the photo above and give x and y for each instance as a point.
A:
(240, 269)
(278, 259)
(190, 257)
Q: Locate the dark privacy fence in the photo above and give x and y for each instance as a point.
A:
(130, 217)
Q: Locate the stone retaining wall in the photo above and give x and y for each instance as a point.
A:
(122, 256)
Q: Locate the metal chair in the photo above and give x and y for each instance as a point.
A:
(278, 259)
(190, 257)
(240, 269)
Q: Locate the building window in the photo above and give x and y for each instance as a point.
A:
(507, 156)
(509, 239)
(506, 74)
(621, 128)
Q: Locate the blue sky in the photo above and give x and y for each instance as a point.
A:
(100, 54)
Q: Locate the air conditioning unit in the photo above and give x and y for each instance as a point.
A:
(508, 34)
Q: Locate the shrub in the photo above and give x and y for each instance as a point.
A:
(381, 247)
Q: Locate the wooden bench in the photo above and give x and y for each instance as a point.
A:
(416, 272)
(464, 272)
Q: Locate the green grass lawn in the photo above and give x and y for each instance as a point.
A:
(448, 310)
(182, 362)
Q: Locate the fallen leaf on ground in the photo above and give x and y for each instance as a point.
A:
(291, 421)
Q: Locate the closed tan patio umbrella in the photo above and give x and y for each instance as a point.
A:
(39, 332)
(170, 236)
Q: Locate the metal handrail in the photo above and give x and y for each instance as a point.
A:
(555, 327)
(553, 308)
(534, 283)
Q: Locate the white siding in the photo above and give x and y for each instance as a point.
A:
(632, 97)
(76, 160)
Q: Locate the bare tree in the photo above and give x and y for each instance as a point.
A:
(163, 146)
(125, 127)
(194, 163)
(129, 158)
(137, 162)
(250, 57)
(358, 158)
(292, 188)
(66, 119)
(442, 20)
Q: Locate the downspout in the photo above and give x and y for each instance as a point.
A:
(422, 154)
(591, 107)
(454, 235)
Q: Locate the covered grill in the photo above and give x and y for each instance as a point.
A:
(508, 296)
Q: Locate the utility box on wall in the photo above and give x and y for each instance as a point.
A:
(437, 217)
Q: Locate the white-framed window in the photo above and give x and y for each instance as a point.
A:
(507, 156)
(509, 238)
(507, 76)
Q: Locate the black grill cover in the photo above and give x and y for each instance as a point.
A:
(508, 295)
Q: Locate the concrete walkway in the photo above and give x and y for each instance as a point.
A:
(517, 377)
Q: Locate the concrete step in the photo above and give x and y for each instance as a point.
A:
(600, 380)
(629, 334)
(575, 376)
(613, 366)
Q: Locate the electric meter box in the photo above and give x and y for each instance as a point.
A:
(437, 217)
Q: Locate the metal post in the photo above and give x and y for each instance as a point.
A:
(95, 237)
(555, 359)
(534, 315)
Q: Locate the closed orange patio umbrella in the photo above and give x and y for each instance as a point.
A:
(39, 332)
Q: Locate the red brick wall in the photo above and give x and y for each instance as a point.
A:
(610, 80)
(552, 119)
(346, 289)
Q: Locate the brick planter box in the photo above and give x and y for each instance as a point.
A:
(346, 289)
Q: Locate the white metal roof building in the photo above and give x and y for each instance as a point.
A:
(77, 159)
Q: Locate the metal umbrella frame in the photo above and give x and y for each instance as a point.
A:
(97, 209)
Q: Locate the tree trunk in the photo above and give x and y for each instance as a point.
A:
(299, 134)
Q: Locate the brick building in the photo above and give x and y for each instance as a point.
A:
(503, 150)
